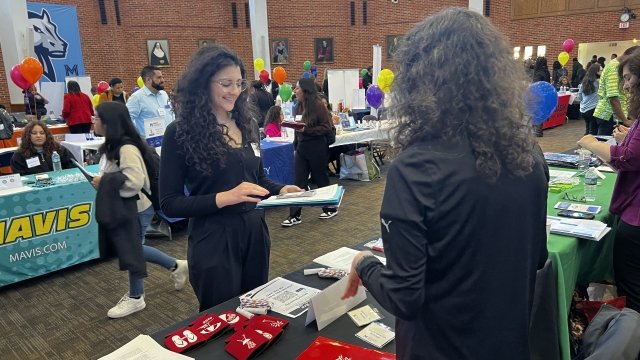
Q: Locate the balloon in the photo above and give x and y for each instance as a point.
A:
(568, 45)
(95, 100)
(135, 88)
(541, 100)
(140, 82)
(18, 79)
(285, 92)
(360, 83)
(102, 87)
(279, 74)
(375, 96)
(31, 69)
(258, 64)
(306, 75)
(307, 65)
(385, 79)
(363, 72)
(264, 76)
(314, 71)
(563, 57)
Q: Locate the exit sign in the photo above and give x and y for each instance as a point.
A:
(624, 25)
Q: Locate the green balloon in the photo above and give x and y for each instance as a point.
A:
(285, 91)
(363, 72)
(307, 65)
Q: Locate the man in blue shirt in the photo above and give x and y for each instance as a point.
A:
(151, 101)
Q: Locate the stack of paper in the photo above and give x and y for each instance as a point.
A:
(585, 229)
(321, 197)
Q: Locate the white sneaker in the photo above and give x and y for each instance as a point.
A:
(180, 275)
(126, 306)
(291, 221)
(328, 214)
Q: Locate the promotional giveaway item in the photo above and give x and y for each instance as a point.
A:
(325, 348)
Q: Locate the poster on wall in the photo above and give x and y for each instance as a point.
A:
(56, 40)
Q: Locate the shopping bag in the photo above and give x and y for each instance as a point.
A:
(353, 165)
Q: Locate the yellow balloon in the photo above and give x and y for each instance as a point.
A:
(95, 100)
(385, 80)
(140, 82)
(563, 57)
(258, 64)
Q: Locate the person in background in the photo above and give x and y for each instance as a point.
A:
(213, 149)
(312, 148)
(325, 83)
(262, 99)
(94, 91)
(77, 109)
(540, 73)
(602, 60)
(151, 101)
(594, 59)
(273, 121)
(447, 253)
(625, 202)
(367, 79)
(335, 151)
(612, 103)
(576, 67)
(558, 72)
(588, 93)
(115, 92)
(34, 102)
(614, 56)
(33, 156)
(564, 82)
(123, 153)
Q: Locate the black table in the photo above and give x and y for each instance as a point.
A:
(296, 337)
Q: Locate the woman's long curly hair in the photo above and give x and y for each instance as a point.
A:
(26, 147)
(197, 130)
(443, 91)
(633, 62)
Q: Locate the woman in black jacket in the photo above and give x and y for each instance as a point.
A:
(36, 147)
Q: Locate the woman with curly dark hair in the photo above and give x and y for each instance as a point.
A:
(213, 149)
(464, 209)
(36, 147)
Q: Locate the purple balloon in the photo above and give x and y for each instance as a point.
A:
(18, 79)
(375, 96)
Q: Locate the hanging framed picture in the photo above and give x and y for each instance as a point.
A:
(158, 51)
(324, 51)
(205, 42)
(393, 41)
(280, 51)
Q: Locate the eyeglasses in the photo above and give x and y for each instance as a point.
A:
(228, 84)
(570, 197)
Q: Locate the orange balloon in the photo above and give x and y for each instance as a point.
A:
(279, 75)
(31, 69)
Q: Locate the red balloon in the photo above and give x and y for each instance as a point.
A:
(31, 69)
(264, 76)
(102, 87)
(18, 79)
(568, 45)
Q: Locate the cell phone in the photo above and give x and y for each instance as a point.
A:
(575, 214)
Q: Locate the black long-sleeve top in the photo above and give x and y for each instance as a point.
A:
(462, 255)
(240, 165)
(19, 162)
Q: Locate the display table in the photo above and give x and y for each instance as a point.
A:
(47, 229)
(277, 159)
(578, 260)
(296, 337)
(58, 132)
(559, 115)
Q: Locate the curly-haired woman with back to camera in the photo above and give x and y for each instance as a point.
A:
(36, 147)
(464, 209)
(213, 149)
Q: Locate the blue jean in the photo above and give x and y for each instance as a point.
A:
(152, 255)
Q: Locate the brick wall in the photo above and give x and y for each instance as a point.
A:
(111, 50)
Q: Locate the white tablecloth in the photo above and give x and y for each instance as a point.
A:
(76, 148)
(381, 132)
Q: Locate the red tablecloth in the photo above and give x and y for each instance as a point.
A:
(559, 115)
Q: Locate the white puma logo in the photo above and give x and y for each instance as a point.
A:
(386, 224)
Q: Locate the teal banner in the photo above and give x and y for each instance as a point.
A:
(47, 229)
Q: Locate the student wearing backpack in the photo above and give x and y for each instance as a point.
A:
(122, 163)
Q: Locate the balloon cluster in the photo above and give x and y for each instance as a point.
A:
(375, 93)
(568, 46)
(310, 71)
(27, 73)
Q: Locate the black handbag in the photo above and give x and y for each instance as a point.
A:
(331, 136)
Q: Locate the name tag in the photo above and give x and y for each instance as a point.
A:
(161, 111)
(256, 149)
(33, 162)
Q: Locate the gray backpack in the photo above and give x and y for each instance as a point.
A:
(612, 334)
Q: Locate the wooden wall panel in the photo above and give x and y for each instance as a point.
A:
(525, 8)
(553, 6)
(610, 3)
(582, 4)
(632, 2)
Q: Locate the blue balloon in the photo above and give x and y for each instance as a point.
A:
(306, 75)
(541, 100)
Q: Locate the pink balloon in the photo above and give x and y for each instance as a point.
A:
(18, 79)
(568, 45)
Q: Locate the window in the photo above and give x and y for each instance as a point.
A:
(528, 52)
(542, 50)
(516, 53)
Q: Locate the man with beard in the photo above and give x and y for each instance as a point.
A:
(151, 101)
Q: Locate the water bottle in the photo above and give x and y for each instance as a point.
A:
(584, 159)
(590, 184)
(55, 159)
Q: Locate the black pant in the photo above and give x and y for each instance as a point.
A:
(83, 128)
(626, 263)
(228, 256)
(591, 126)
(311, 158)
(605, 127)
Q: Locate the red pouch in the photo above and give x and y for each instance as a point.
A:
(208, 326)
(182, 339)
(266, 320)
(246, 344)
(269, 332)
(236, 321)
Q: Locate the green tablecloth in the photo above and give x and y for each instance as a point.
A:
(578, 260)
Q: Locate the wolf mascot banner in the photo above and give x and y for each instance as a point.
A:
(56, 40)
